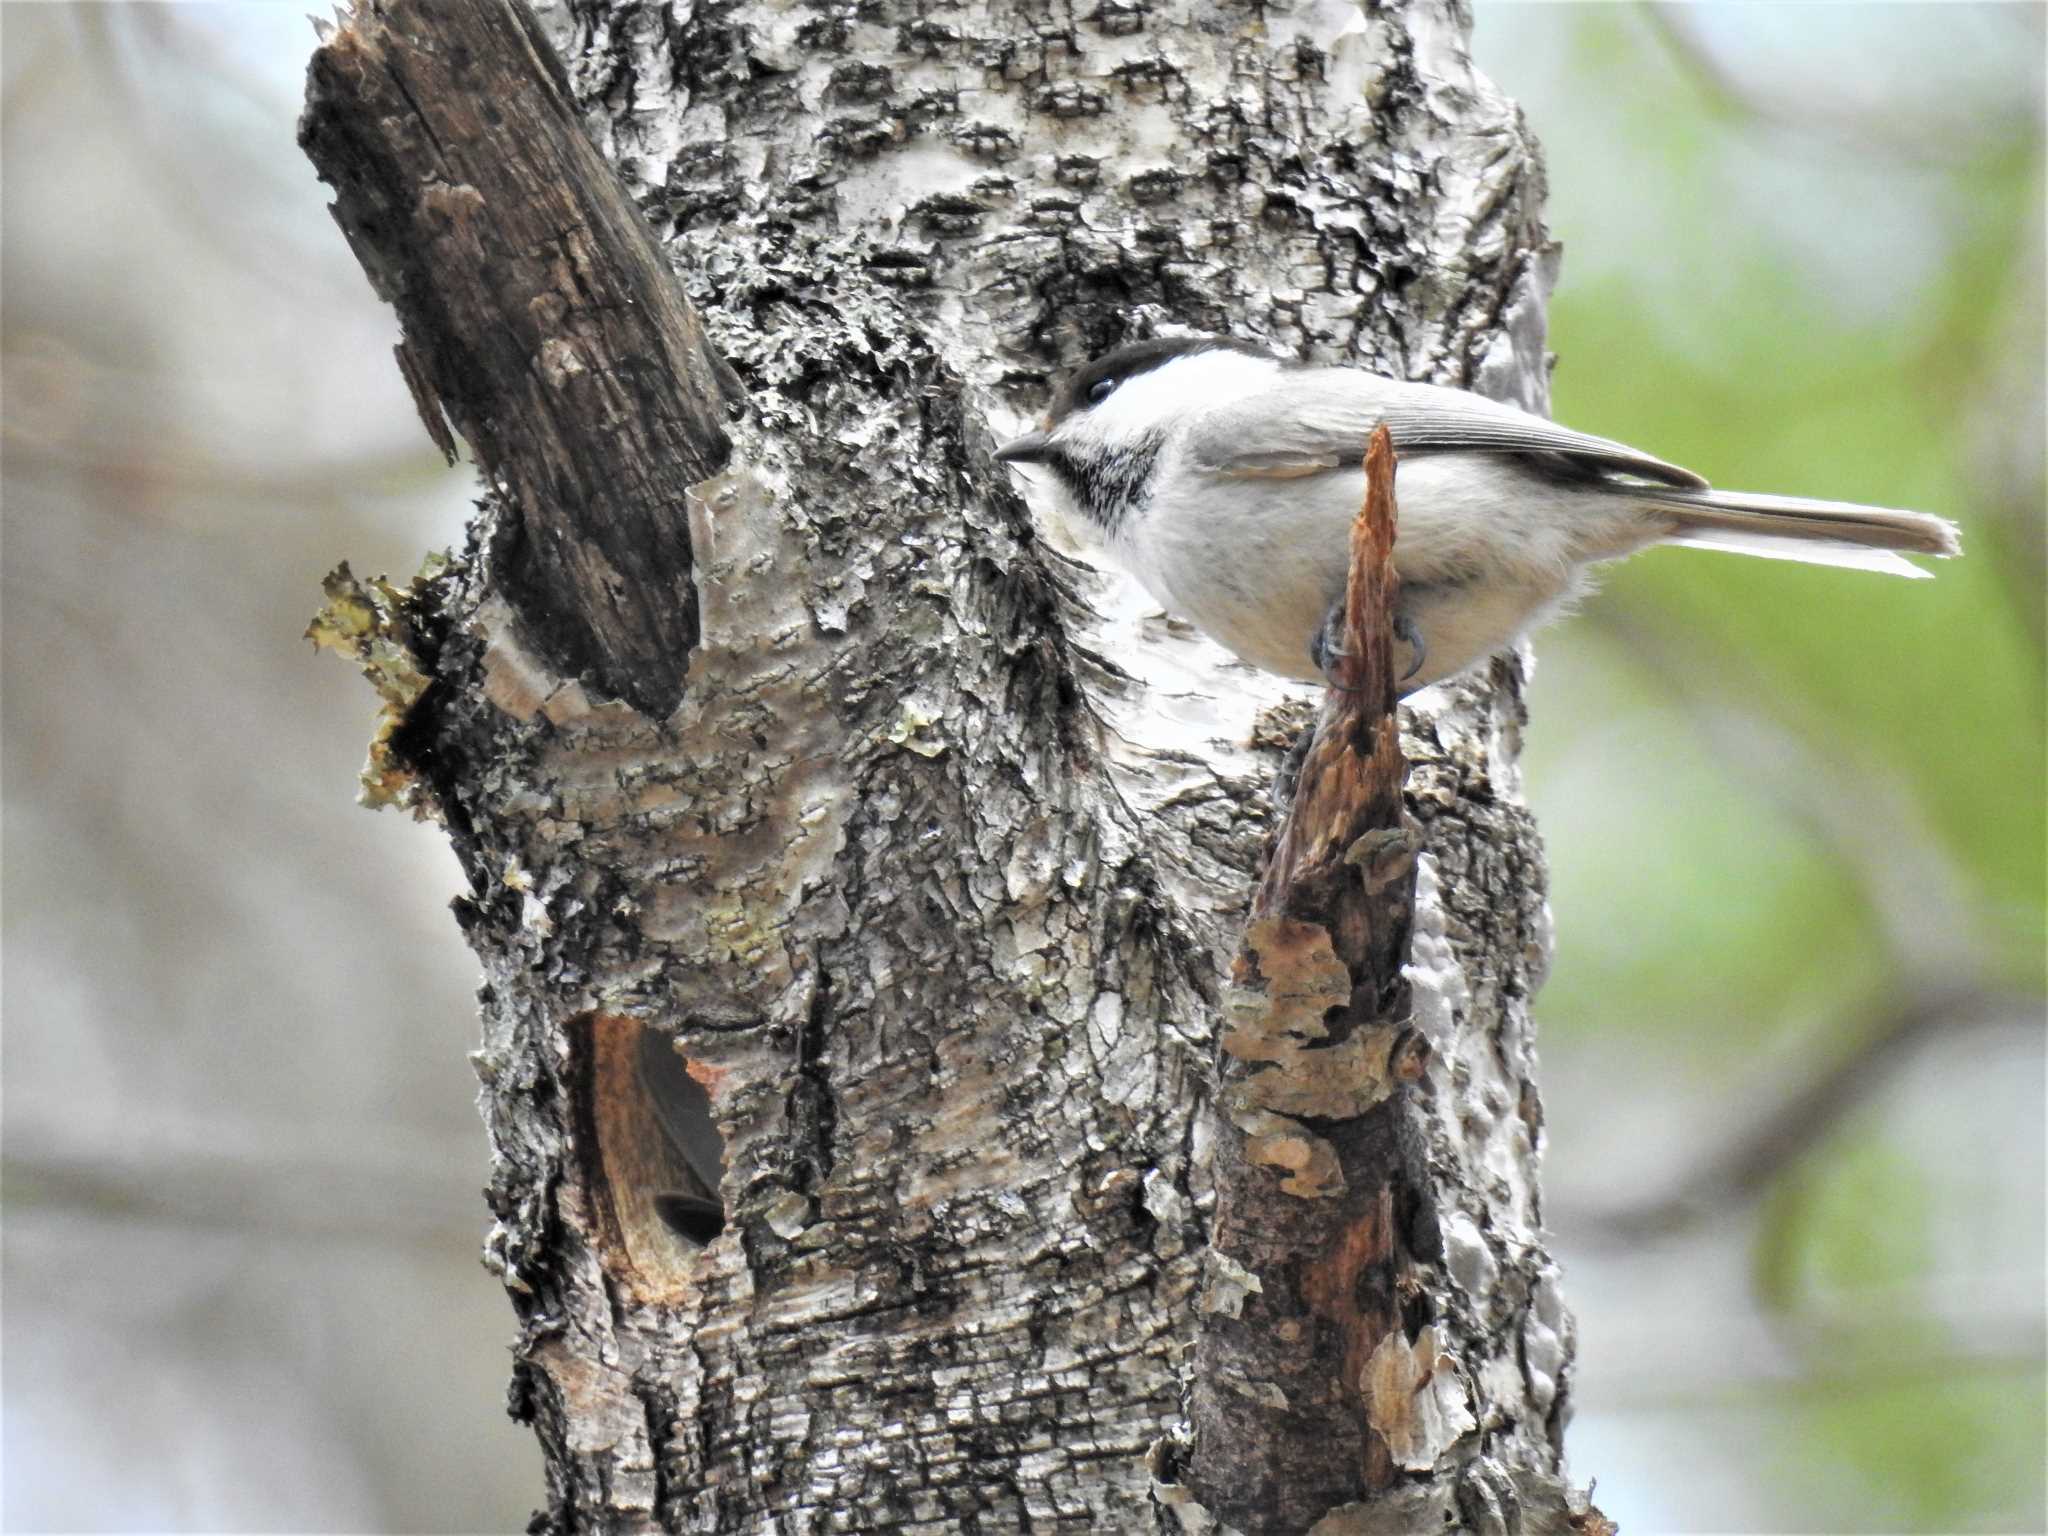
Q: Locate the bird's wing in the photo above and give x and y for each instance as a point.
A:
(1317, 419)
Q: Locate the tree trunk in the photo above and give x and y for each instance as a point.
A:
(763, 718)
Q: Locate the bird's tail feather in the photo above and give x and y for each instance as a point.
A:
(1816, 532)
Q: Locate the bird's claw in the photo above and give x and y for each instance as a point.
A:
(1406, 632)
(1326, 653)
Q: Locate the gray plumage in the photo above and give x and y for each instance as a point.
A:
(1227, 481)
(1320, 418)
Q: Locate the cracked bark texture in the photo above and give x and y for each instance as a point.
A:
(936, 868)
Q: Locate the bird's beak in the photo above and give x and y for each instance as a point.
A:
(1028, 449)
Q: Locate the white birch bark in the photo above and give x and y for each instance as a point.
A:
(935, 870)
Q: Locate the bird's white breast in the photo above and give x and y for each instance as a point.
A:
(1255, 564)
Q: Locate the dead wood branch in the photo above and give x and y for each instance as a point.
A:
(539, 313)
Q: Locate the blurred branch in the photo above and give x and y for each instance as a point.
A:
(1909, 140)
(1801, 1357)
(2023, 573)
(1999, 418)
(1932, 922)
(1977, 142)
(136, 467)
(1752, 1160)
(246, 1178)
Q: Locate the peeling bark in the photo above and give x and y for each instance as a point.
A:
(931, 847)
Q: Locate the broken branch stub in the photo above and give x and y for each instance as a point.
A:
(1322, 1191)
(539, 314)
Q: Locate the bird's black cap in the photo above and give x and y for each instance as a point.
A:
(1079, 389)
(1132, 359)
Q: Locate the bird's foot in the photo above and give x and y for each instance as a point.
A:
(1326, 649)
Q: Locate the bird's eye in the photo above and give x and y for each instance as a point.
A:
(1100, 390)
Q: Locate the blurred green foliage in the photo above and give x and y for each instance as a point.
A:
(1915, 1421)
(1772, 794)
(1766, 384)
(1942, 681)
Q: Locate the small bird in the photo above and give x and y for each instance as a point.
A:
(1226, 480)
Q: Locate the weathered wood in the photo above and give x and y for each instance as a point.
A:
(539, 313)
(1316, 1384)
